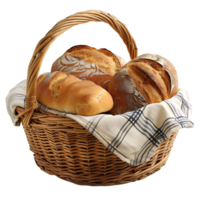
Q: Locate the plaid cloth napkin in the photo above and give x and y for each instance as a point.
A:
(132, 136)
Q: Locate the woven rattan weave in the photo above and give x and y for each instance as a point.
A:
(61, 146)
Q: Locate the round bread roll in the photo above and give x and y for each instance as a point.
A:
(147, 79)
(88, 63)
(165, 68)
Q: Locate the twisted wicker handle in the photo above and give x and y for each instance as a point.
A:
(44, 44)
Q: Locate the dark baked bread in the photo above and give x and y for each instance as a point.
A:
(146, 79)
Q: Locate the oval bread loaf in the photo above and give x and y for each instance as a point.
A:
(88, 63)
(69, 94)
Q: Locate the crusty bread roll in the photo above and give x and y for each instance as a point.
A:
(67, 93)
(88, 63)
(146, 79)
(165, 68)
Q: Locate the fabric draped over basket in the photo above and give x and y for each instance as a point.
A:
(133, 136)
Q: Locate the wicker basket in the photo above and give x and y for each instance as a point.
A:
(64, 148)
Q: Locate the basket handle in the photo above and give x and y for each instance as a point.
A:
(62, 26)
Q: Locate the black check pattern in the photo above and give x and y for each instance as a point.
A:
(133, 126)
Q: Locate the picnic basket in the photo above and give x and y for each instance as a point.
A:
(64, 148)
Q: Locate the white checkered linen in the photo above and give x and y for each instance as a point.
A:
(132, 136)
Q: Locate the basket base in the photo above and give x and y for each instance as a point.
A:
(98, 184)
(64, 148)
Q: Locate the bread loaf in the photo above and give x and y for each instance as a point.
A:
(88, 63)
(146, 79)
(69, 94)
